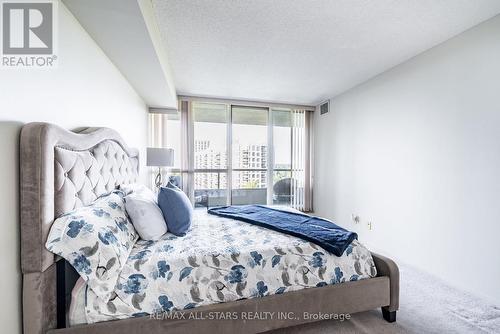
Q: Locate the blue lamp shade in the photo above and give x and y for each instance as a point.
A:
(159, 157)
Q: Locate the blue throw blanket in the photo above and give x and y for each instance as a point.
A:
(322, 232)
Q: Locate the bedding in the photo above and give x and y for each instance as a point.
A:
(221, 260)
(96, 240)
(322, 232)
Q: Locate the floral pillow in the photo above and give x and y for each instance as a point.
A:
(96, 240)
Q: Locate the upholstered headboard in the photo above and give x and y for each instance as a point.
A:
(61, 170)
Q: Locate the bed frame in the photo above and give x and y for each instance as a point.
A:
(62, 170)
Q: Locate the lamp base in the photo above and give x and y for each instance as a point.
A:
(158, 180)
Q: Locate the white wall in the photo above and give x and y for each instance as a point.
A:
(85, 90)
(416, 150)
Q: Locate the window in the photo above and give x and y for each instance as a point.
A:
(249, 155)
(235, 154)
(210, 154)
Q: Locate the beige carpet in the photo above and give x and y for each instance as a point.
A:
(427, 305)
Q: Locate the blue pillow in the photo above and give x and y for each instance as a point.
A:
(176, 208)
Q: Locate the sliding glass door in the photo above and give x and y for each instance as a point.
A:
(249, 158)
(210, 123)
(228, 154)
(242, 155)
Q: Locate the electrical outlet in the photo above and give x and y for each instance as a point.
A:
(370, 225)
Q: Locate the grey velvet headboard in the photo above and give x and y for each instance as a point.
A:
(61, 170)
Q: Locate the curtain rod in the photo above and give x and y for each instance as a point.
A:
(244, 102)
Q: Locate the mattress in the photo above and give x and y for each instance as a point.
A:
(219, 260)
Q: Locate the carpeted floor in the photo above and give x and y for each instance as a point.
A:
(427, 305)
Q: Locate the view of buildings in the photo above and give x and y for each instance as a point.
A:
(244, 157)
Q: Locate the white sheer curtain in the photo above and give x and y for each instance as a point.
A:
(157, 138)
(187, 148)
(301, 160)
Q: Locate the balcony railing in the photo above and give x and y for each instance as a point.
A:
(215, 196)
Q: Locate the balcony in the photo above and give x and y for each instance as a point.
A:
(218, 197)
(215, 196)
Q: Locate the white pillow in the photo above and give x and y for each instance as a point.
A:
(145, 215)
(138, 189)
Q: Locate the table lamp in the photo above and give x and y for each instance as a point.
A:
(159, 157)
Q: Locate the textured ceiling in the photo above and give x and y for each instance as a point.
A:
(301, 51)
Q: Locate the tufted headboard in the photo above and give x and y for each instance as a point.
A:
(61, 170)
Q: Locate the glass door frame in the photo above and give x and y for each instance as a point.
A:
(217, 171)
(270, 154)
(270, 170)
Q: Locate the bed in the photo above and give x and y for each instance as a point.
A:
(62, 170)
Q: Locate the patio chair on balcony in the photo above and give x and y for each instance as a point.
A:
(283, 191)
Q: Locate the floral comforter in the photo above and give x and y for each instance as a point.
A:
(221, 260)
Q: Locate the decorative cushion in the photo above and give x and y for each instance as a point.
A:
(140, 190)
(96, 240)
(177, 209)
(145, 214)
